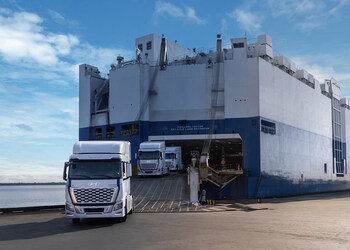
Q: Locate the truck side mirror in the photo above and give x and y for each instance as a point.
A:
(128, 170)
(66, 165)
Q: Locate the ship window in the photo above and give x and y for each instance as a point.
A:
(110, 132)
(268, 127)
(149, 45)
(140, 46)
(98, 135)
(238, 45)
(129, 129)
(325, 168)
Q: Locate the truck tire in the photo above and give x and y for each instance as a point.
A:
(75, 221)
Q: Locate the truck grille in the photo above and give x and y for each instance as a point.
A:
(169, 164)
(93, 195)
(148, 166)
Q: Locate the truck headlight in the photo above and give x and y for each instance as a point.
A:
(118, 206)
(69, 207)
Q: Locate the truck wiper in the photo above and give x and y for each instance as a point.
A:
(108, 176)
(80, 176)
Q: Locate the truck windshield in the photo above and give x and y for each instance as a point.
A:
(170, 156)
(149, 155)
(101, 169)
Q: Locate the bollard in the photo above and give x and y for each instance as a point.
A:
(204, 197)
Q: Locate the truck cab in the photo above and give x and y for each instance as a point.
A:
(98, 180)
(151, 159)
(173, 158)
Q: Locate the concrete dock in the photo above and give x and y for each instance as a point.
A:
(319, 221)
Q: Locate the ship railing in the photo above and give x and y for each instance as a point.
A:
(230, 168)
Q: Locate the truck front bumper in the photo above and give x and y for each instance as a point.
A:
(152, 173)
(81, 211)
(149, 172)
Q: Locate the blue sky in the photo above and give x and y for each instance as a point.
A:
(43, 42)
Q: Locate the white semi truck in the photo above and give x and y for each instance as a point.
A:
(173, 158)
(98, 180)
(151, 158)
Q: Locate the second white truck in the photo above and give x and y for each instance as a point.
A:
(151, 159)
(173, 158)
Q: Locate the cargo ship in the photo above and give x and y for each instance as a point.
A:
(274, 129)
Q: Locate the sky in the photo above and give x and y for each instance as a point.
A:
(43, 42)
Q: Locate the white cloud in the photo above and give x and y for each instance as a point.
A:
(62, 43)
(330, 67)
(5, 11)
(294, 7)
(56, 16)
(311, 23)
(248, 21)
(191, 15)
(307, 6)
(308, 14)
(338, 7)
(24, 40)
(168, 8)
(165, 8)
(60, 19)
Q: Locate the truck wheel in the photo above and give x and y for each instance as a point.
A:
(123, 219)
(75, 220)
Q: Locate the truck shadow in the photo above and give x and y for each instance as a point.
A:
(51, 227)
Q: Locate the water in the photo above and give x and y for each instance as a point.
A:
(31, 195)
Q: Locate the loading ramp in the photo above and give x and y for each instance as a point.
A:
(164, 194)
(170, 194)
